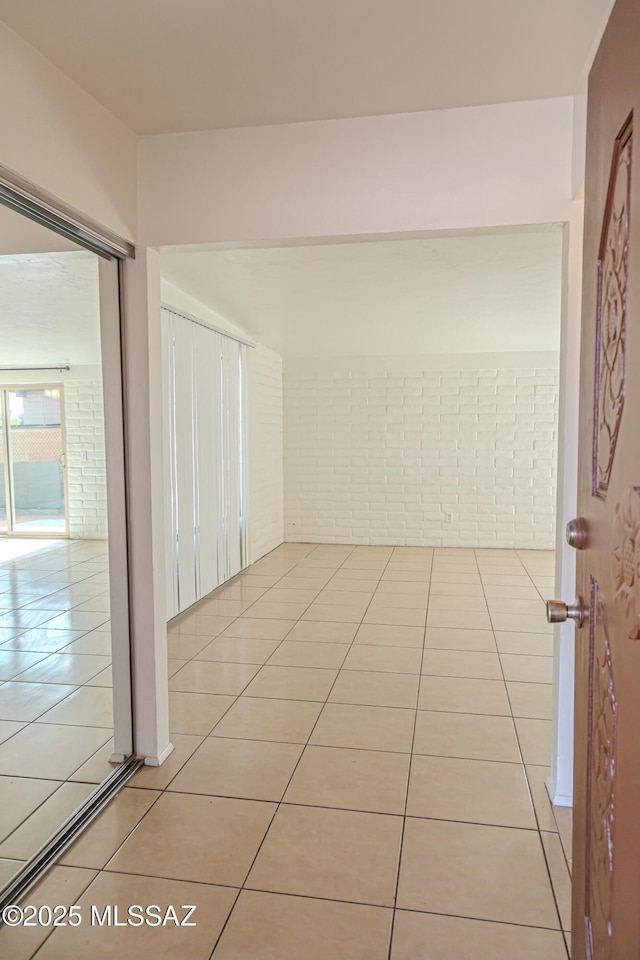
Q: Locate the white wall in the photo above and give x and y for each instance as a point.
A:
(381, 450)
(265, 442)
(579, 145)
(500, 165)
(56, 135)
(444, 169)
(317, 298)
(176, 298)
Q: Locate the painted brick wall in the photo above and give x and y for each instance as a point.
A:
(265, 441)
(452, 451)
(86, 462)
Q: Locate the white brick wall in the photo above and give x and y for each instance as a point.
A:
(86, 462)
(383, 452)
(265, 440)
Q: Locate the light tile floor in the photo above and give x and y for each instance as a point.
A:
(361, 741)
(55, 696)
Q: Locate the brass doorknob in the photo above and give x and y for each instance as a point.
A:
(558, 611)
(577, 533)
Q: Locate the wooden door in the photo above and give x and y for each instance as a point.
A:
(606, 866)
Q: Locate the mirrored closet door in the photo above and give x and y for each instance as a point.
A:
(65, 684)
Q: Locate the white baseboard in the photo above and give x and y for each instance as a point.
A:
(160, 759)
(558, 799)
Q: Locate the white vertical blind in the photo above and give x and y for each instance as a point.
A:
(204, 415)
(209, 466)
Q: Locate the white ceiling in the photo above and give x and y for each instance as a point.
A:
(164, 66)
(457, 294)
(49, 309)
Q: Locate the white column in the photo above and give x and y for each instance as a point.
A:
(560, 782)
(146, 480)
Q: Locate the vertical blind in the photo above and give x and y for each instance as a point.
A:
(204, 416)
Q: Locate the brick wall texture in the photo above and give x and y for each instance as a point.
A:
(450, 457)
(86, 462)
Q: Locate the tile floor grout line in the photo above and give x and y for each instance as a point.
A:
(137, 824)
(460, 916)
(133, 829)
(237, 696)
(331, 746)
(42, 626)
(299, 619)
(235, 619)
(324, 703)
(526, 780)
(27, 723)
(61, 783)
(303, 896)
(226, 921)
(277, 809)
(52, 706)
(307, 743)
(8, 836)
(408, 787)
(342, 809)
(535, 586)
(504, 680)
(384, 906)
(299, 700)
(311, 734)
(37, 950)
(216, 637)
(38, 719)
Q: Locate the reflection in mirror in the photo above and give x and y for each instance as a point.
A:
(56, 698)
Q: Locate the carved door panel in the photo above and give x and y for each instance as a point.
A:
(606, 868)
